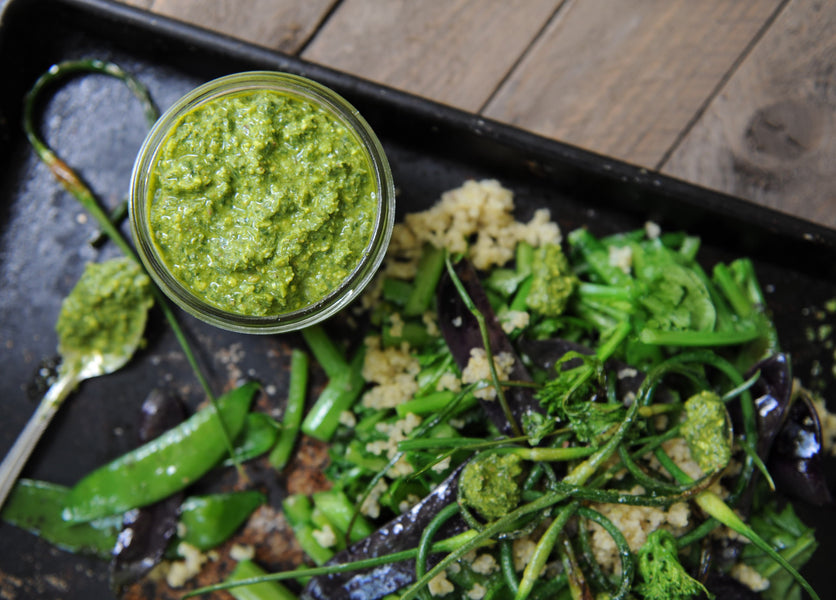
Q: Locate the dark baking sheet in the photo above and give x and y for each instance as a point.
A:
(97, 126)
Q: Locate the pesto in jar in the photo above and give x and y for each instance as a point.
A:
(261, 202)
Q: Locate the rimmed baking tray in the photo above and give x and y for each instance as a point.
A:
(97, 126)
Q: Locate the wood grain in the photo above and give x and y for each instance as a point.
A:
(770, 135)
(453, 51)
(278, 24)
(625, 78)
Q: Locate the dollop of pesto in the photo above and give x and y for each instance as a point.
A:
(261, 202)
(490, 484)
(552, 281)
(106, 311)
(706, 431)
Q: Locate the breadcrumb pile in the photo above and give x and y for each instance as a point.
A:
(476, 219)
(478, 370)
(393, 370)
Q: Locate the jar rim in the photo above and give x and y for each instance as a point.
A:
(306, 90)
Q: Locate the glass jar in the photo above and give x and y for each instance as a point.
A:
(262, 165)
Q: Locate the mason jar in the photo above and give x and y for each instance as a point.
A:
(261, 202)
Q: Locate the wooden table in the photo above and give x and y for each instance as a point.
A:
(736, 95)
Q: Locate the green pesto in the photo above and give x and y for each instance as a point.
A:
(490, 484)
(552, 281)
(105, 313)
(261, 203)
(706, 430)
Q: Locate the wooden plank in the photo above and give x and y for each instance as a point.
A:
(625, 78)
(278, 24)
(770, 135)
(453, 51)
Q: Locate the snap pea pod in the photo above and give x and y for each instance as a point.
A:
(164, 465)
(258, 436)
(36, 506)
(211, 519)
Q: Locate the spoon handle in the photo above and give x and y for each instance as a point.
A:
(21, 450)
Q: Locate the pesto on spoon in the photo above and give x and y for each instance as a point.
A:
(99, 327)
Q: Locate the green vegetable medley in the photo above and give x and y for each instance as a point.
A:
(654, 354)
(579, 421)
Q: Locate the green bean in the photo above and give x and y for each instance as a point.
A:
(430, 267)
(426, 542)
(597, 574)
(164, 465)
(429, 403)
(294, 407)
(325, 351)
(543, 549)
(338, 395)
(628, 566)
(506, 563)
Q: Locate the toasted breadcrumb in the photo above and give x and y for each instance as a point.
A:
(241, 552)
(749, 577)
(371, 504)
(621, 258)
(393, 371)
(513, 319)
(325, 536)
(478, 369)
(476, 219)
(181, 571)
(440, 585)
(485, 564)
(477, 592)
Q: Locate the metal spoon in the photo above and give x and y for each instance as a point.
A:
(100, 325)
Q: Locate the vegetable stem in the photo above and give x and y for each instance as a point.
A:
(293, 411)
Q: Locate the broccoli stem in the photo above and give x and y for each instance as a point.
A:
(698, 338)
(294, 407)
(429, 403)
(597, 256)
(520, 301)
(524, 258)
(550, 454)
(732, 291)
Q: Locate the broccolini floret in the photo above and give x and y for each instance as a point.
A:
(664, 577)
